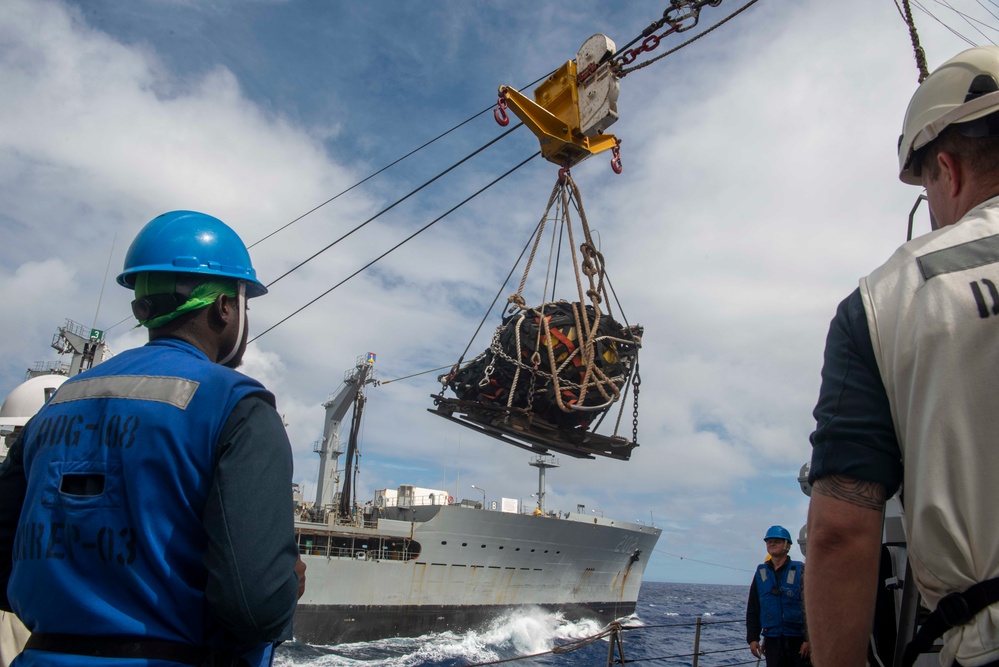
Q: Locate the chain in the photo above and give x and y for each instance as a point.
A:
(681, 16)
(536, 360)
(622, 72)
(491, 368)
(634, 419)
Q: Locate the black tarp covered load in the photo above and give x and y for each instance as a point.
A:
(538, 362)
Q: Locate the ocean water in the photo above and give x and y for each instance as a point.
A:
(664, 622)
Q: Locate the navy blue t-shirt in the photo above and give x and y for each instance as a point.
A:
(854, 434)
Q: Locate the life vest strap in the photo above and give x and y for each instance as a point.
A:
(953, 610)
(125, 647)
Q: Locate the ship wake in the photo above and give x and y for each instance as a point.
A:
(526, 631)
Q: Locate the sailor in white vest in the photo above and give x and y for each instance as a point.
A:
(910, 395)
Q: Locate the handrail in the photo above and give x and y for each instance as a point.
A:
(614, 633)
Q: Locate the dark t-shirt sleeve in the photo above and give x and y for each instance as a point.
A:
(252, 587)
(13, 486)
(753, 624)
(854, 434)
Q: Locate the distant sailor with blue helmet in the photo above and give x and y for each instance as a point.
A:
(776, 608)
(145, 513)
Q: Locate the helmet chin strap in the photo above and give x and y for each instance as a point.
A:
(241, 298)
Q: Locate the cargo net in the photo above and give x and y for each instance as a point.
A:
(552, 372)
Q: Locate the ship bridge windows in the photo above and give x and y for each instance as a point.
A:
(358, 547)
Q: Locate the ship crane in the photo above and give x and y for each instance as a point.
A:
(349, 395)
(88, 348)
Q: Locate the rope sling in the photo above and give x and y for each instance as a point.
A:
(551, 370)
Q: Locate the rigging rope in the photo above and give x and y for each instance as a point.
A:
(563, 362)
(592, 267)
(577, 330)
(388, 166)
(918, 52)
(935, 18)
(454, 368)
(970, 20)
(703, 562)
(396, 203)
(413, 375)
(421, 147)
(397, 245)
(438, 176)
(369, 177)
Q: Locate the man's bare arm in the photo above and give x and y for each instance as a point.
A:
(844, 541)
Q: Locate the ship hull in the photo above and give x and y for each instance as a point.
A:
(455, 568)
(340, 624)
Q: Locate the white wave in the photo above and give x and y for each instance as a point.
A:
(517, 633)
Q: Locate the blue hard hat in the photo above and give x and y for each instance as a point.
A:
(190, 242)
(778, 532)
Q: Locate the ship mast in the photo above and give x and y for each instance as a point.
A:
(542, 463)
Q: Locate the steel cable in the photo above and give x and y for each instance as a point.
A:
(396, 203)
(398, 245)
(386, 167)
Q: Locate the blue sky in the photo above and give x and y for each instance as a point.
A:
(759, 184)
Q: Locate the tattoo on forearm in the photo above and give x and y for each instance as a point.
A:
(863, 494)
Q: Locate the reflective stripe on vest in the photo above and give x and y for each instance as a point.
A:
(174, 391)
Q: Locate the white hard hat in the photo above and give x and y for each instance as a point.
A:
(963, 89)
(28, 398)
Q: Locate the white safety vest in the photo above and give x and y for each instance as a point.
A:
(933, 311)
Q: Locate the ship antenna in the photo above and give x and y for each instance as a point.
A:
(104, 282)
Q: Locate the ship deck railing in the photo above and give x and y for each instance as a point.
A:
(719, 655)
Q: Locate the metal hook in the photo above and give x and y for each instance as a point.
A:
(499, 113)
(616, 160)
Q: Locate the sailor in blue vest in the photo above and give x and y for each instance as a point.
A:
(145, 511)
(775, 608)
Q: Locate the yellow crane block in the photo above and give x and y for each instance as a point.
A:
(554, 114)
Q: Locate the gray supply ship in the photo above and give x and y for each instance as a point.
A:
(412, 561)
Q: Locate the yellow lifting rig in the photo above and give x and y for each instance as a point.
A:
(572, 108)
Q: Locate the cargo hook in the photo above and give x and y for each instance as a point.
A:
(499, 113)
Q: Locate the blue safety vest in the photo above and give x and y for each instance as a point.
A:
(119, 466)
(781, 611)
